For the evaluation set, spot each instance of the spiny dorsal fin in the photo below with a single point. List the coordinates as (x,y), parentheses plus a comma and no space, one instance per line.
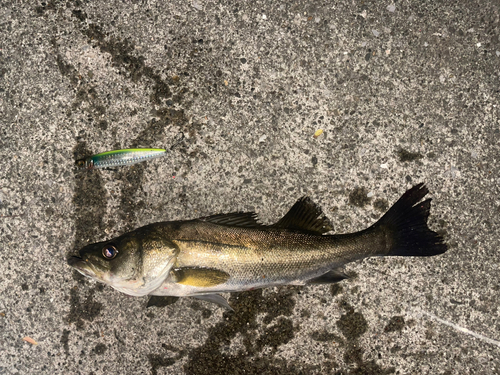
(305,216)
(236,219)
(200,277)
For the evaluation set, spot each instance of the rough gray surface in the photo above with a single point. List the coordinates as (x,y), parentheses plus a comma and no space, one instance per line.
(404,92)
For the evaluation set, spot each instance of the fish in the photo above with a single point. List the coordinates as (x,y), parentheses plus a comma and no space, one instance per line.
(117,158)
(234,252)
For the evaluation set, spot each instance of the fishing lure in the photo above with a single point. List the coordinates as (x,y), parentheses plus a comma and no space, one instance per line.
(118,158)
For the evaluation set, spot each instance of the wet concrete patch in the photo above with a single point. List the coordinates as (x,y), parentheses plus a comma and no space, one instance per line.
(277,334)
(100,349)
(358,197)
(90,201)
(160,301)
(353,325)
(64,340)
(381,205)
(120,51)
(157,361)
(211,357)
(130,204)
(405,156)
(205,313)
(86,310)
(336,289)
(325,336)
(86,96)
(396,323)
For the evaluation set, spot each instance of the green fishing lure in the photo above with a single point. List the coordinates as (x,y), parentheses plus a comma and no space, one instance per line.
(118,158)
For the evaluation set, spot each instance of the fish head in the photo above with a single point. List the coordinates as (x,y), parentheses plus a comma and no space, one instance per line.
(135,263)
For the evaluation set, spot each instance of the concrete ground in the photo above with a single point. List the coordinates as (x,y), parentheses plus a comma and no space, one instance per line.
(404,92)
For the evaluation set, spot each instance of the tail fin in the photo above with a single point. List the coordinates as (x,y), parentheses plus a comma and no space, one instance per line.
(406,220)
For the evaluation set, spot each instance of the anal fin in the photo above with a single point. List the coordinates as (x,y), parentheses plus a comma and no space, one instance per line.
(332,276)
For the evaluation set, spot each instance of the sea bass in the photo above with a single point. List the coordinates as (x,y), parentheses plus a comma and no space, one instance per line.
(234,252)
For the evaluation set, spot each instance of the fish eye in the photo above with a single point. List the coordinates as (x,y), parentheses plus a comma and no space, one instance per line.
(109,252)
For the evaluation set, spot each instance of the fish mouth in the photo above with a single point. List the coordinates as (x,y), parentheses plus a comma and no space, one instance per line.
(85,268)
(74,260)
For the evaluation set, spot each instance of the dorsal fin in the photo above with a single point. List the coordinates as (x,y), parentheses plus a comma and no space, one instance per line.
(305,216)
(237,219)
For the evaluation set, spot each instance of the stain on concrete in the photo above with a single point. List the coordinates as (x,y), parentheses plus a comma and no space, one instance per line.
(325,336)
(121,52)
(381,205)
(124,58)
(280,303)
(89,196)
(205,313)
(160,301)
(83,310)
(85,93)
(100,349)
(210,357)
(65,340)
(277,334)
(41,9)
(130,204)
(67,70)
(156,361)
(79,278)
(90,201)
(336,289)
(358,197)
(353,325)
(396,323)
(405,156)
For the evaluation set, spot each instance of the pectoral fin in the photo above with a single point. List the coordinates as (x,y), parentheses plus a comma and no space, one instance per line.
(200,277)
(214,298)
